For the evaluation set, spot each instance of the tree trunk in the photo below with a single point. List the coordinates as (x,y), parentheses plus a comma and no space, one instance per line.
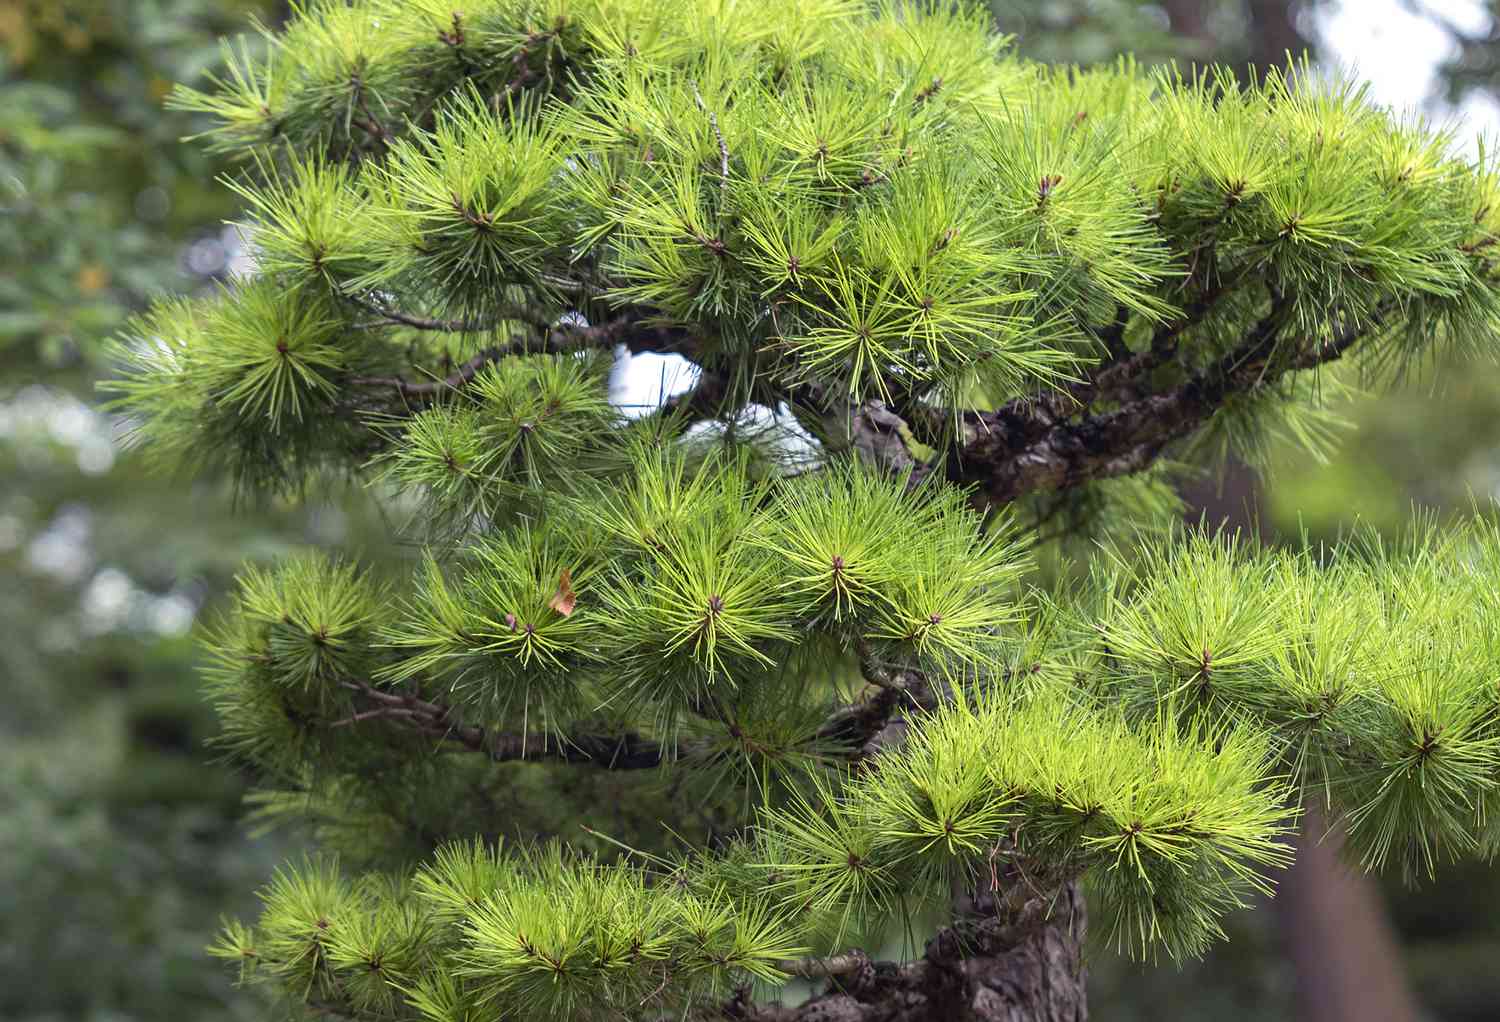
(1189,18)
(1348,965)
(1274,34)
(1025,969)
(1271,33)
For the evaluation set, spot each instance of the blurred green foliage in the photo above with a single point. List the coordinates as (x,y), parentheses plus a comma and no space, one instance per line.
(1432,442)
(118,844)
(98,191)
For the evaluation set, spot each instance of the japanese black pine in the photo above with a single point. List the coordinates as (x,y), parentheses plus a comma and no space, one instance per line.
(765,682)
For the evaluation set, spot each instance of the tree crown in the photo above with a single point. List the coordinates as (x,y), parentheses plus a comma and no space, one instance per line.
(942,302)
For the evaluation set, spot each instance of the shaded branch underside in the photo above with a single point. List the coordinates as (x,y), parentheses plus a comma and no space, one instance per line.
(1034,446)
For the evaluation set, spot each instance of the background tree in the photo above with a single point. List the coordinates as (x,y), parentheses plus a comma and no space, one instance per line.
(804,377)
(118,841)
(1238,33)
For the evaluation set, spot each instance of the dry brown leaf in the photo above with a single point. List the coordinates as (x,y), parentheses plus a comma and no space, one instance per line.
(564,600)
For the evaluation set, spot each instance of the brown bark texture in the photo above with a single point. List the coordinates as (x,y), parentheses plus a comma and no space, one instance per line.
(1022,966)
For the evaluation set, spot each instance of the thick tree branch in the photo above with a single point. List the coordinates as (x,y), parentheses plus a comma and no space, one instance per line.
(880,433)
(1125,372)
(845,964)
(1054,443)
(878,720)
(1022,449)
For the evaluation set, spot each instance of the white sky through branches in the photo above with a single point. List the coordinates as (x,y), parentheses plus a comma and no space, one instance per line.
(1389,45)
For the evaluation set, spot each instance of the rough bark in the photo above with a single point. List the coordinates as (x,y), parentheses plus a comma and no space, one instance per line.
(1034,446)
(1020,966)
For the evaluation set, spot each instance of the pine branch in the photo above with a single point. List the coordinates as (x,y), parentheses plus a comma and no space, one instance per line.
(367,121)
(1021,449)
(875,672)
(873,429)
(861,728)
(626,751)
(877,721)
(1126,370)
(847,963)
(878,432)
(1126,374)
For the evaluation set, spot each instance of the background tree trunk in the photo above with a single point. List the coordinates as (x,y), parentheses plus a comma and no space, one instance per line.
(1274,33)
(1334,924)
(1271,32)
(1189,19)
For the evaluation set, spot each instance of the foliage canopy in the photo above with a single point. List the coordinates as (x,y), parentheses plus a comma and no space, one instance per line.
(945,305)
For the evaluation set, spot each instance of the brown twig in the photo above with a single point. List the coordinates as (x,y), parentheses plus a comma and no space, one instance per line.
(371,124)
(556,342)
(828,967)
(851,727)
(624,751)
(397,317)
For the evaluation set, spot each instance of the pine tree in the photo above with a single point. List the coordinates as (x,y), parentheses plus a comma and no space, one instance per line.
(682,704)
